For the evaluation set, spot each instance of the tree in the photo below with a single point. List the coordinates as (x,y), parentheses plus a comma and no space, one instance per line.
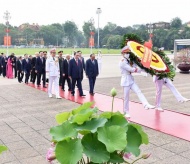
(70,29)
(114,41)
(176,23)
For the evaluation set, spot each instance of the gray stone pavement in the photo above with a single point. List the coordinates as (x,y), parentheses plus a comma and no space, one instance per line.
(26,115)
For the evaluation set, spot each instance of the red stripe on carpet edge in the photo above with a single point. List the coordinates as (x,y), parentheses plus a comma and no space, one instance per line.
(169,122)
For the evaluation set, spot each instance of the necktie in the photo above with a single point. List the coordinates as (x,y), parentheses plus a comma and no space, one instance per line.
(53,58)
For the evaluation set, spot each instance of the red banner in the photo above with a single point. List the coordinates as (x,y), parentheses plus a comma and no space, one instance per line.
(147,57)
(7,40)
(91,42)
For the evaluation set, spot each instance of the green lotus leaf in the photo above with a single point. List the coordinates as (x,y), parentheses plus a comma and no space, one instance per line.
(114,137)
(62,117)
(109,114)
(83,116)
(3,148)
(69,151)
(86,105)
(118,120)
(62,132)
(134,140)
(92,125)
(144,136)
(94,149)
(116,158)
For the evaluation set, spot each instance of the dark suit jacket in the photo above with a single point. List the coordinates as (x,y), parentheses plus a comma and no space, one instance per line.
(40,67)
(4,61)
(60,63)
(14,60)
(26,67)
(75,71)
(83,64)
(92,69)
(65,67)
(19,65)
(33,62)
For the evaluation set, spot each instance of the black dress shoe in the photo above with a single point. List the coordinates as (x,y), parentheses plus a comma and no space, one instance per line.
(38,85)
(82,95)
(92,94)
(44,87)
(72,94)
(69,90)
(63,89)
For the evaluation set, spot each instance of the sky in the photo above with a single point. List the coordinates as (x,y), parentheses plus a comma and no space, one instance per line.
(121,12)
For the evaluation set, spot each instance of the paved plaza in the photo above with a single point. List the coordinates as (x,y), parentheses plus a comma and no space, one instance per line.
(26,115)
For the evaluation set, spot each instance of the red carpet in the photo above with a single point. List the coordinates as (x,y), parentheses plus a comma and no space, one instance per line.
(169,122)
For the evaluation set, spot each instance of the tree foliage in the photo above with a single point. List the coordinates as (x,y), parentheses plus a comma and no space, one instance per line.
(69,35)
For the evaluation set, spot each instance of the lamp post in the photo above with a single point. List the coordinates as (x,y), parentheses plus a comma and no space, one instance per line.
(98,11)
(7,17)
(91,21)
(150,30)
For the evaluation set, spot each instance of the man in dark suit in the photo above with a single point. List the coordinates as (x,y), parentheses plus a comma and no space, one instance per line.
(65,71)
(75,72)
(83,63)
(60,65)
(19,69)
(92,72)
(14,64)
(1,68)
(26,67)
(33,63)
(40,69)
(4,64)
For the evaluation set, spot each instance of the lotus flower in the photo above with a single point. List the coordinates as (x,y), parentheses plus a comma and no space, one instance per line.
(50,156)
(113,92)
(145,156)
(127,155)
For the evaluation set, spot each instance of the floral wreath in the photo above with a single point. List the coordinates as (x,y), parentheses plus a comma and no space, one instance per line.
(168,73)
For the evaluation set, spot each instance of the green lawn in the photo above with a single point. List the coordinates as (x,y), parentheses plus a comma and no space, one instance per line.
(85,51)
(31,51)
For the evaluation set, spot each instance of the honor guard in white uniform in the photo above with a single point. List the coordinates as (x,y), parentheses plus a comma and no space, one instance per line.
(52,67)
(128,83)
(168,83)
(99,59)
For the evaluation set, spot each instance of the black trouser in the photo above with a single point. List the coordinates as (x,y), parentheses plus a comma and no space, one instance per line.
(20,76)
(33,75)
(43,75)
(68,82)
(15,71)
(1,69)
(4,71)
(78,80)
(92,81)
(60,79)
(27,74)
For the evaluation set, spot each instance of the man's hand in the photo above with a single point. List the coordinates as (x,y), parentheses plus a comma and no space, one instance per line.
(63,74)
(36,71)
(69,77)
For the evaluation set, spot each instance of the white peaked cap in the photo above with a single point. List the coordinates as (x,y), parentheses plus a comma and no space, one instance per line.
(124,48)
(53,49)
(161,49)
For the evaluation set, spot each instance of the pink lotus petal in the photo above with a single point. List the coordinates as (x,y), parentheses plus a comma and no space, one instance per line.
(50,156)
(127,155)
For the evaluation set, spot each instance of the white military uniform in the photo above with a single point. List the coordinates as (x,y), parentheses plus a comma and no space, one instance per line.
(168,83)
(127,82)
(99,59)
(52,66)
